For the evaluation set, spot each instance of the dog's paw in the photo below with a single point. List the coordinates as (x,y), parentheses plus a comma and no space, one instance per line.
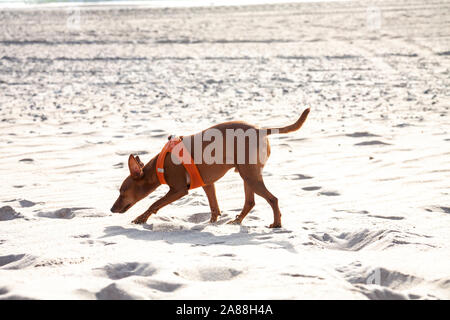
(214,216)
(235,221)
(140,220)
(275,225)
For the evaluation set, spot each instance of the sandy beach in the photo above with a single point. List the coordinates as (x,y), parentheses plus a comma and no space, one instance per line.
(363,187)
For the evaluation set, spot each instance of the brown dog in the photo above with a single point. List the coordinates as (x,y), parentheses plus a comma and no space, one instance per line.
(143,178)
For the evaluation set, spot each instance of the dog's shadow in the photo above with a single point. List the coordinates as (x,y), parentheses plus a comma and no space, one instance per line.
(197,237)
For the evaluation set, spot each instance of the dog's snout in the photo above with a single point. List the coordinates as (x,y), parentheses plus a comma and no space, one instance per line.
(117,205)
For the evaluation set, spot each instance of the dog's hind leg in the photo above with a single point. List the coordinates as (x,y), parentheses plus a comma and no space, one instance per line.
(210,191)
(248,206)
(260,189)
(253,177)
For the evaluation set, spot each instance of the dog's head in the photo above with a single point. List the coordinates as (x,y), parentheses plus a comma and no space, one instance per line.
(136,186)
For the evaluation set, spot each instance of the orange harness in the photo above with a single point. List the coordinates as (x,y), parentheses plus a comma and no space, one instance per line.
(184,157)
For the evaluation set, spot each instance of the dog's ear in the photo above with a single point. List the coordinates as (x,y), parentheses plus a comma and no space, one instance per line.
(135,169)
(141,164)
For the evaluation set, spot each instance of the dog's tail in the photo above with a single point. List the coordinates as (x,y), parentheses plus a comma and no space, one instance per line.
(293,127)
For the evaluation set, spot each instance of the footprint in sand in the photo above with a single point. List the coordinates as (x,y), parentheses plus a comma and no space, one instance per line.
(218,273)
(97,242)
(329,193)
(8,213)
(352,211)
(264,238)
(312,188)
(84,236)
(438,209)
(3,291)
(26,203)
(69,213)
(113,292)
(199,217)
(361,134)
(127,269)
(371,143)
(4,260)
(118,165)
(368,280)
(64,213)
(298,176)
(298,275)
(387,217)
(163,286)
(358,240)
(446,209)
(384,294)
(26,160)
(402,125)
(230,255)
(16,261)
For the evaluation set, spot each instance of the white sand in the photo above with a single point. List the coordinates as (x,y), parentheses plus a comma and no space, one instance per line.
(363,186)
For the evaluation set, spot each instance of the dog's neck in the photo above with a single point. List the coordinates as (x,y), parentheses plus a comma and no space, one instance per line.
(150,170)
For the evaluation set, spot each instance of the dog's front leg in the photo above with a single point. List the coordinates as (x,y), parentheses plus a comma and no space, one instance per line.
(171,196)
(210,191)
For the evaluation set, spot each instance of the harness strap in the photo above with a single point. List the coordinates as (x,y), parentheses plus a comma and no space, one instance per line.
(184,157)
